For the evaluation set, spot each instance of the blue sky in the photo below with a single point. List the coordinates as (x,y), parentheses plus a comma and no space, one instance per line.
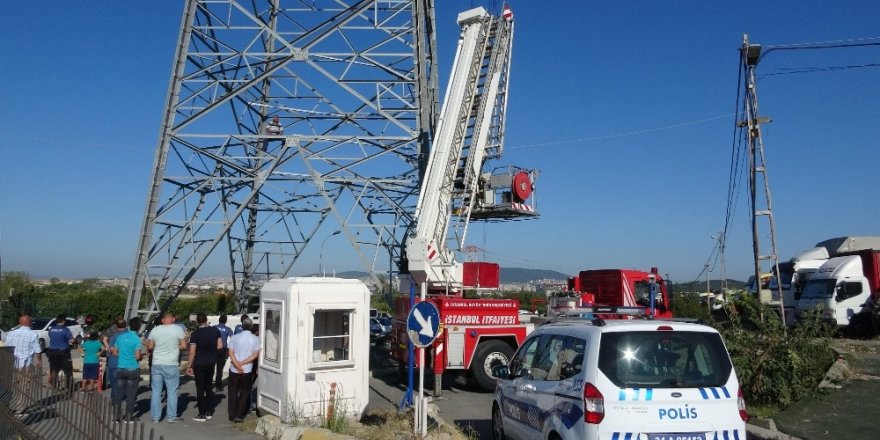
(624,106)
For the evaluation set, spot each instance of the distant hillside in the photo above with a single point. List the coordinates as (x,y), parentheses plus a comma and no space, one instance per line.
(522,275)
(350,274)
(700,286)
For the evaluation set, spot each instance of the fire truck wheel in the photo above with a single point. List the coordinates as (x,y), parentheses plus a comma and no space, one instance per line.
(488,355)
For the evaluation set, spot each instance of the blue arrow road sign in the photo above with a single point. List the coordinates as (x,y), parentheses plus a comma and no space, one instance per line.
(423,324)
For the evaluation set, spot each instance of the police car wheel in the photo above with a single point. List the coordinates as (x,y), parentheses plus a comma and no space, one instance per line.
(489,354)
(42,344)
(497,424)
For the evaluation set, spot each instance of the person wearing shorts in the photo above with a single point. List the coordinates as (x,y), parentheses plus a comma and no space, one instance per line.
(92,349)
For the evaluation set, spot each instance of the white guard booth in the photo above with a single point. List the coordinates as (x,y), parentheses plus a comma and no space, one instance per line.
(315,342)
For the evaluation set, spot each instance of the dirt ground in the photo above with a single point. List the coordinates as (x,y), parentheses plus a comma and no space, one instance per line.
(848,412)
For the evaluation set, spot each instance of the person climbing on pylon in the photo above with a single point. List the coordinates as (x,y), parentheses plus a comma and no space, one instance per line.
(274,127)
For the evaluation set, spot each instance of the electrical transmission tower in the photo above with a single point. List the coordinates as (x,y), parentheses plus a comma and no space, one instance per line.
(282,115)
(761,204)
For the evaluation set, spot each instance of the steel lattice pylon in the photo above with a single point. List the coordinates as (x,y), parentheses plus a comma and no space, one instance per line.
(354,89)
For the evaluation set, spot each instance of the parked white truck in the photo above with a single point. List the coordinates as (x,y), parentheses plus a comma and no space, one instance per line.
(795,273)
(844,287)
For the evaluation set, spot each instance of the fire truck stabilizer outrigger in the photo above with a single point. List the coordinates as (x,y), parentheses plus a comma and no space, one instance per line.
(476,334)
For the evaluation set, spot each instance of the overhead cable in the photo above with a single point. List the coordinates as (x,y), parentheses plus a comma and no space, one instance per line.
(619,135)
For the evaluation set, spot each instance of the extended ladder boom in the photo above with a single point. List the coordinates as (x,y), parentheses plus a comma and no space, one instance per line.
(470,129)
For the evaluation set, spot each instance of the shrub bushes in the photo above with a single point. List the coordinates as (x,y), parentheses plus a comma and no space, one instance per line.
(688,305)
(776,366)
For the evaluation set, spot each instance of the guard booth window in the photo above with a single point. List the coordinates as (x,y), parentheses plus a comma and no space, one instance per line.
(272,330)
(331,336)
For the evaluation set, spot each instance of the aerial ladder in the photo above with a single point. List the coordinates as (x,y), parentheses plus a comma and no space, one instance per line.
(470,131)
(455,189)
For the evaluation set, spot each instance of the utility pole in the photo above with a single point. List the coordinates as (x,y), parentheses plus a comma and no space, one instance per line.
(721,243)
(708,290)
(750,54)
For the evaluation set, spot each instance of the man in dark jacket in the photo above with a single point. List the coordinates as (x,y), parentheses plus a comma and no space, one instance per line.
(222,354)
(204,343)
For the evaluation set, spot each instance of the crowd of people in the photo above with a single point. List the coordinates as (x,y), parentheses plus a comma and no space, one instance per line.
(124,347)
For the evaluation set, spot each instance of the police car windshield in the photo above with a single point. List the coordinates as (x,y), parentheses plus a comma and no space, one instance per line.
(655,359)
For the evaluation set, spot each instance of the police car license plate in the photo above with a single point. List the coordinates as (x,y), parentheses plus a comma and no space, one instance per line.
(678,436)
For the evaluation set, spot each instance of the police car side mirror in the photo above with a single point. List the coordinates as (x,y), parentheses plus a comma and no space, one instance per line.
(501,371)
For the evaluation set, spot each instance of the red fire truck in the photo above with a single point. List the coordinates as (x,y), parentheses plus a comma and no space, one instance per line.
(615,287)
(476,334)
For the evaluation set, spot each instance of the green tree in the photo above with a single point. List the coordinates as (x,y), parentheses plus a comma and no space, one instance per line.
(688,305)
(17,295)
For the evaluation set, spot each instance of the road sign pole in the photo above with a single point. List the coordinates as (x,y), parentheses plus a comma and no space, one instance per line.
(423,328)
(410,353)
(422,413)
(420,416)
(424,401)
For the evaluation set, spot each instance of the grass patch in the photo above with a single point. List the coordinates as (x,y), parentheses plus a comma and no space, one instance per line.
(762,411)
(248,425)
(391,425)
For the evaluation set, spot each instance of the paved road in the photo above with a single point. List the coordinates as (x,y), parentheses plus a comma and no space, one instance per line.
(459,403)
(217,428)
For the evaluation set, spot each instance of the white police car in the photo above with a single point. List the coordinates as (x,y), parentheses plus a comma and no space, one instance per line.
(619,380)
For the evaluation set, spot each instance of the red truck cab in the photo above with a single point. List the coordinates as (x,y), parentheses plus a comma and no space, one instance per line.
(620,287)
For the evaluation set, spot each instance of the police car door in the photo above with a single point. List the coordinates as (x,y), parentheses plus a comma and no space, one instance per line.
(514,403)
(567,414)
(537,390)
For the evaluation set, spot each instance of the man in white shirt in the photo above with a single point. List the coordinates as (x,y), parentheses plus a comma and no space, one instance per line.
(244,348)
(27,355)
(165,341)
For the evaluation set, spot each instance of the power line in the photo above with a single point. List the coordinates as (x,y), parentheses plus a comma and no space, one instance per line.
(619,135)
(828,44)
(794,71)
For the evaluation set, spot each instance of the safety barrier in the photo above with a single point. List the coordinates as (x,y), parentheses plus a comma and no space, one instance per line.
(31,409)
